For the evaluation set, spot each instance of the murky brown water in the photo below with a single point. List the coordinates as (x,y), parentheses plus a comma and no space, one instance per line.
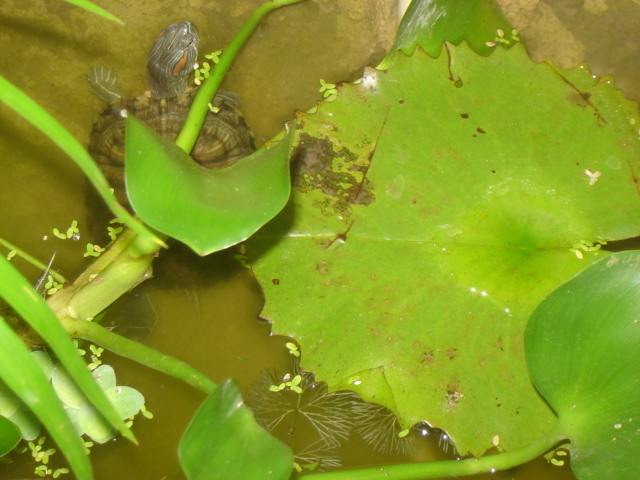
(205,312)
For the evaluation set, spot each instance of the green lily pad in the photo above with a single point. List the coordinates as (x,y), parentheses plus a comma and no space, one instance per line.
(435,204)
(224,441)
(206,209)
(583,351)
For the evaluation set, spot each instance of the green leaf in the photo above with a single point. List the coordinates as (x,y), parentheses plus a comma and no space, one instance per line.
(93,424)
(430,23)
(66,389)
(208,210)
(43,121)
(9,403)
(9,436)
(106,377)
(583,352)
(224,441)
(90,7)
(128,401)
(435,205)
(30,426)
(30,384)
(33,309)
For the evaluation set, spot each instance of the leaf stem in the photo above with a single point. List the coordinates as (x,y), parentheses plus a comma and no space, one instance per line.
(193,124)
(451,468)
(138,352)
(31,260)
(122,266)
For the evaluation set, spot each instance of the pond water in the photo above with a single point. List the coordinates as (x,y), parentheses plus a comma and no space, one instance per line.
(205,311)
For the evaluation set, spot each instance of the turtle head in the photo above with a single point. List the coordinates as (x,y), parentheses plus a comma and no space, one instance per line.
(171,60)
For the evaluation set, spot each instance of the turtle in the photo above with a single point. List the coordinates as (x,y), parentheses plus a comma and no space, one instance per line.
(225,136)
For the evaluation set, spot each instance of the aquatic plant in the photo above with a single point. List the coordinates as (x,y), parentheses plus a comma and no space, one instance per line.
(506,251)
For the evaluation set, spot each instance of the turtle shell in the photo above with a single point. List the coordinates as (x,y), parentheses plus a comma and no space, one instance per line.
(224,138)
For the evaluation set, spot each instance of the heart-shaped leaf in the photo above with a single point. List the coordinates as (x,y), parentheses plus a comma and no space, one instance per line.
(224,441)
(583,352)
(207,209)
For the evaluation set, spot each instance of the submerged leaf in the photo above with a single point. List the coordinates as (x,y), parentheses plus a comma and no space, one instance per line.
(583,352)
(435,205)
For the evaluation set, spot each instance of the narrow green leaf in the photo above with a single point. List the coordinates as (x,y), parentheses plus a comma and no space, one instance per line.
(583,351)
(41,119)
(95,9)
(207,209)
(25,300)
(9,436)
(24,376)
(224,441)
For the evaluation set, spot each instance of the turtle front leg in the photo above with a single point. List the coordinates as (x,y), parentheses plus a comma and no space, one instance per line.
(102,81)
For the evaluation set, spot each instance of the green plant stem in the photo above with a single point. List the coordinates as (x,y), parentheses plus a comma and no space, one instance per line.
(124,265)
(193,124)
(138,352)
(451,468)
(32,260)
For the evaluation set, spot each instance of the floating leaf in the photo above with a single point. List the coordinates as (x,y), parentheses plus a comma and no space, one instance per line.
(128,401)
(207,209)
(435,204)
(224,441)
(106,378)
(583,352)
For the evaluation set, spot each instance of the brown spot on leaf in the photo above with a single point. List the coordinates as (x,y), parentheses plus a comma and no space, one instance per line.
(427,357)
(339,174)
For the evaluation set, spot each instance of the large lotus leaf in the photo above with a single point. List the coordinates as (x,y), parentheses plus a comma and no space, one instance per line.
(435,205)
(207,209)
(583,351)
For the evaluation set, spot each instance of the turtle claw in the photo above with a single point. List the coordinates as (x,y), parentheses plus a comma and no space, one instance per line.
(102,81)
